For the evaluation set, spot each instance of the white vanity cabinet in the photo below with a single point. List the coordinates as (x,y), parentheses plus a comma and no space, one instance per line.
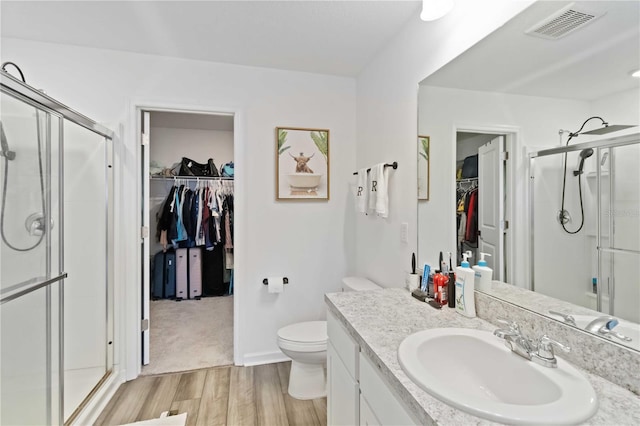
(356,391)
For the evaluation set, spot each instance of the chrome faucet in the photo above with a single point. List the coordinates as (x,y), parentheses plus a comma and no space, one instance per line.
(565,317)
(604,326)
(540,351)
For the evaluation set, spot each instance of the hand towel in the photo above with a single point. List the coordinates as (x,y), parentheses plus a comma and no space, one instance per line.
(372,186)
(382,193)
(362,191)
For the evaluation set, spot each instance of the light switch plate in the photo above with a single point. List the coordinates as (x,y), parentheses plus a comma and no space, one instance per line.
(404,232)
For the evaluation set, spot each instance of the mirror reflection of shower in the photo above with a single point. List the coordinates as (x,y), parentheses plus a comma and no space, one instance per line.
(35,223)
(564,216)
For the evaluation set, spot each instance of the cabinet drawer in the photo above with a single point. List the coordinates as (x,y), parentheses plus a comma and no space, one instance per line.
(386,407)
(344,345)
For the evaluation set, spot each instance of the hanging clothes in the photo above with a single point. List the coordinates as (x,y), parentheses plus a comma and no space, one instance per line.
(472,218)
(201,217)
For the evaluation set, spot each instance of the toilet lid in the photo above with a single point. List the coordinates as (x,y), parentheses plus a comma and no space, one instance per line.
(305,332)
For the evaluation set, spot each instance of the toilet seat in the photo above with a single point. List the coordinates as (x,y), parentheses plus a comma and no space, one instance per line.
(310,336)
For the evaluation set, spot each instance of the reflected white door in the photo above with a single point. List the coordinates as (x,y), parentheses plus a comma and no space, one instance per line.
(145,279)
(491,204)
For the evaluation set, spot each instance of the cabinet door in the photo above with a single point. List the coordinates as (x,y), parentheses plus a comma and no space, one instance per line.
(384,405)
(342,392)
(367,417)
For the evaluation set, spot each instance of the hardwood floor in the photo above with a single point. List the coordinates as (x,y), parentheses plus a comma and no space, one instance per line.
(234,396)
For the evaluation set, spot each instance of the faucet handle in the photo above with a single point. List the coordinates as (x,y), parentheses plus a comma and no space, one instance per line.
(545,347)
(565,317)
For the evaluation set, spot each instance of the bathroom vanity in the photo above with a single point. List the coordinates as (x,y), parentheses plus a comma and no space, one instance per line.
(366,384)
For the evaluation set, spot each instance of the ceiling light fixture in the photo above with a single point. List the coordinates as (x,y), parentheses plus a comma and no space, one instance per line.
(435,9)
(635,74)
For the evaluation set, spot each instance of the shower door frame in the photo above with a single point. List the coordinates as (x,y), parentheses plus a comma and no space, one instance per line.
(598,146)
(18,89)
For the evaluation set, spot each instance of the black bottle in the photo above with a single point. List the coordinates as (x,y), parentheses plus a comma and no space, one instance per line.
(451,289)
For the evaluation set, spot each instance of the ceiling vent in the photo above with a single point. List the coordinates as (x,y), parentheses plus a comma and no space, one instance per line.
(562,23)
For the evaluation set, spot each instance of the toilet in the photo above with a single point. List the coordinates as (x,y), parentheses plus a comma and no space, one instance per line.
(306,344)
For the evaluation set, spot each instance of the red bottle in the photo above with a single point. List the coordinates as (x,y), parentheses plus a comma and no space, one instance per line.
(443,297)
(436,286)
(440,282)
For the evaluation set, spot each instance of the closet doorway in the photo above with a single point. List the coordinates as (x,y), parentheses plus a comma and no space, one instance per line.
(187,267)
(482,194)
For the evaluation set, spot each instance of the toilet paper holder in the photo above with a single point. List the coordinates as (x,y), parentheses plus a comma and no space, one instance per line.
(285,280)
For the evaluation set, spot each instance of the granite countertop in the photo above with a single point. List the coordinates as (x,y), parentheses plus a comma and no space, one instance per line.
(379,320)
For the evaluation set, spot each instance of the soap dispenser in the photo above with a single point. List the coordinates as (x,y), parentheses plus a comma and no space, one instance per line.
(465,291)
(483,273)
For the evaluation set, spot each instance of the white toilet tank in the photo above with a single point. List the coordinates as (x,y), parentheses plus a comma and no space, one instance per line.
(358,284)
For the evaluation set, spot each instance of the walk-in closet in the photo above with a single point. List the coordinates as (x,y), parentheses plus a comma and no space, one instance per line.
(480,197)
(187,272)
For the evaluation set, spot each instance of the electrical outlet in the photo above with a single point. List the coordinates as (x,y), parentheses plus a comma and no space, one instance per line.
(404,232)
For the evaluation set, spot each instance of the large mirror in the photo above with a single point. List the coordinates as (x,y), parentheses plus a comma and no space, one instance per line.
(523,169)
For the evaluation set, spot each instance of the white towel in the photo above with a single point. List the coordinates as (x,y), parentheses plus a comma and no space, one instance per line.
(381,206)
(362,191)
(372,186)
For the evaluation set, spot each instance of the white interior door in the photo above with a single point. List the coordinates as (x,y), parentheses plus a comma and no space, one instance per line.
(491,204)
(145,279)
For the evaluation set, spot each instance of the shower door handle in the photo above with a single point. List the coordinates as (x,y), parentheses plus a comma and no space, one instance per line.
(26,287)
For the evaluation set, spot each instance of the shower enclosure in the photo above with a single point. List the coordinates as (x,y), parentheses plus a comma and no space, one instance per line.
(593,258)
(56,289)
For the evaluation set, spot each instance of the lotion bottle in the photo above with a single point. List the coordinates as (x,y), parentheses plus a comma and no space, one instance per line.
(465,291)
(484,274)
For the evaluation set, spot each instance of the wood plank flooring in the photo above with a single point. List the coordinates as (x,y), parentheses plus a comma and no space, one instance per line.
(234,396)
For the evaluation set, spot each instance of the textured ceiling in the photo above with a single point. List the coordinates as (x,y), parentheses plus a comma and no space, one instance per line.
(328,37)
(590,63)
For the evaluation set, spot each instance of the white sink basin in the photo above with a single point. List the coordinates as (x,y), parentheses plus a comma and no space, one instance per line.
(473,371)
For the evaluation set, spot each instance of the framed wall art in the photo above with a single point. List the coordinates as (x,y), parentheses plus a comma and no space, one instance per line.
(423,167)
(302,164)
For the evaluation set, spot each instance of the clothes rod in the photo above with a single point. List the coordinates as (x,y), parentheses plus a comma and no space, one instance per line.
(467,180)
(394,165)
(191,178)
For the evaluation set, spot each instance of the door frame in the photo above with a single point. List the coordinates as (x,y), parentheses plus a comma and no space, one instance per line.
(132,347)
(513,145)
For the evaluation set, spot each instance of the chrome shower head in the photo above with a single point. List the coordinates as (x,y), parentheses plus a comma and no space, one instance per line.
(584,154)
(607,129)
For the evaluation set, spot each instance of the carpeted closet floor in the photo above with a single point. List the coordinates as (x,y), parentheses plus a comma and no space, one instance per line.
(190,334)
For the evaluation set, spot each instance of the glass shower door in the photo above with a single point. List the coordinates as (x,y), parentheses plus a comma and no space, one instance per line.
(88,332)
(619,266)
(30,275)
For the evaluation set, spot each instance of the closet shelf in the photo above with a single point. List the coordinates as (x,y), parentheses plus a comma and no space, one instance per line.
(475,179)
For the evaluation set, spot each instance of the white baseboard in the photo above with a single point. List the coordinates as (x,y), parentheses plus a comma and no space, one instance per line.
(260,358)
(92,410)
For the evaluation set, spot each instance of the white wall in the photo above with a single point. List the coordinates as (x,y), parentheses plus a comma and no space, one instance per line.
(307,241)
(169,145)
(387,125)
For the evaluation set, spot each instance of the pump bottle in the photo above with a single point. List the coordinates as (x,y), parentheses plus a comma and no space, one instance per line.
(465,291)
(483,273)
